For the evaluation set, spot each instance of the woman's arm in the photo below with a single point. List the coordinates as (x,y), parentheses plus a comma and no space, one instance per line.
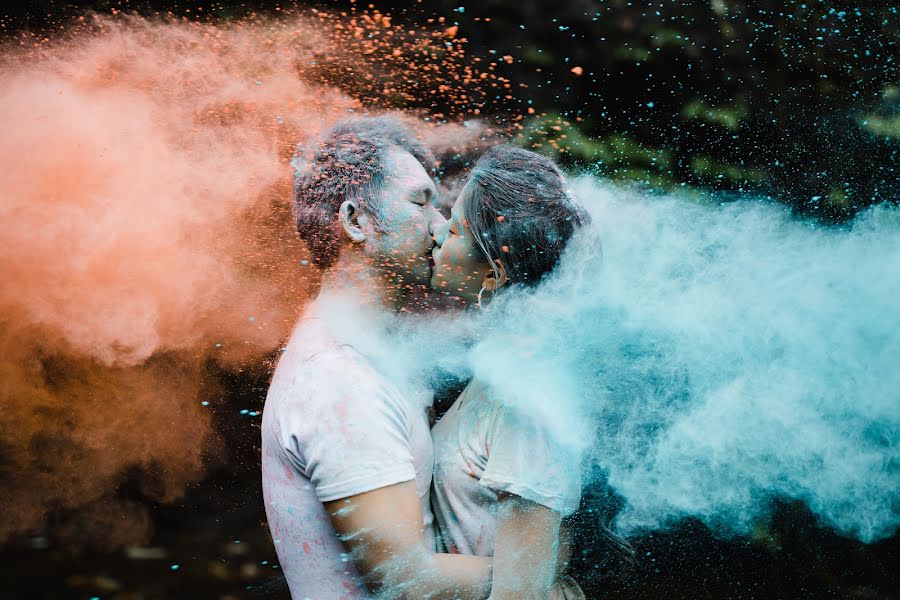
(525,554)
(384,533)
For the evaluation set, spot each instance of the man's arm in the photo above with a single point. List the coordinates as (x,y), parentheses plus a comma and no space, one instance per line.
(525,554)
(384,532)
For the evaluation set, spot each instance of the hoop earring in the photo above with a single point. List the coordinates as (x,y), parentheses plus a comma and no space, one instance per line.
(480,292)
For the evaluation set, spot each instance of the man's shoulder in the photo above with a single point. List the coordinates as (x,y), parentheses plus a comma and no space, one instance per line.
(314,371)
(331,396)
(312,346)
(311,368)
(321,371)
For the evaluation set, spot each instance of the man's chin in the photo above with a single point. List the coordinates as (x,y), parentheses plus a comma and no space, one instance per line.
(419,281)
(435,287)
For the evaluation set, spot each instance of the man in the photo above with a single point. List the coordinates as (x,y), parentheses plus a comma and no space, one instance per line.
(346,450)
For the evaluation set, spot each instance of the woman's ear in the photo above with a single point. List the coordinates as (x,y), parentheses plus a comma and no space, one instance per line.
(352,221)
(491,282)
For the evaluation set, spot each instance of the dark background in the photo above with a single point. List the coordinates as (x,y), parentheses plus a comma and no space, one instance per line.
(798,101)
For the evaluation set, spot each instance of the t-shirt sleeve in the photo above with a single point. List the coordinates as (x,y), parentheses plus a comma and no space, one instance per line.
(525,459)
(348,428)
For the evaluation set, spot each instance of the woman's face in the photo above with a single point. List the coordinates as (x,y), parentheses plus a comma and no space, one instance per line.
(459,265)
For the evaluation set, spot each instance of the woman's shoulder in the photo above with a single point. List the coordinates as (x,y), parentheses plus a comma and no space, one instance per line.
(480,394)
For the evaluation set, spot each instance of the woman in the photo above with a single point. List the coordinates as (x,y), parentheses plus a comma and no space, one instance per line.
(502,483)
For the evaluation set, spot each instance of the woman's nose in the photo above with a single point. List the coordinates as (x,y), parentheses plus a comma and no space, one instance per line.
(438,226)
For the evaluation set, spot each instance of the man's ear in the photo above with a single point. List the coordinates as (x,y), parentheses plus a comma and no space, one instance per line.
(353,221)
(491,283)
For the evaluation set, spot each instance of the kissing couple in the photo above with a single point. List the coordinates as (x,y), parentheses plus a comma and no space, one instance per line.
(363,497)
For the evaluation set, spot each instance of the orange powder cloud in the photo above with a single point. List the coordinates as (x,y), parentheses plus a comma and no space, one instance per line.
(144,230)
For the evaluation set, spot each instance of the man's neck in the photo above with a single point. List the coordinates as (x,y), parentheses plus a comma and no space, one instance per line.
(353,276)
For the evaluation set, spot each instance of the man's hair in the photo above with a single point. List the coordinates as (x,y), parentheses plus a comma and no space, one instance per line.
(346,164)
(520,211)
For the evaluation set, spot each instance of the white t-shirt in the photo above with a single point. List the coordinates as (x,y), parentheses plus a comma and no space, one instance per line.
(483,447)
(334,427)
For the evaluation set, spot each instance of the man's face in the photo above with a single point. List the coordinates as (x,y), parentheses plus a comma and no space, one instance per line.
(403,246)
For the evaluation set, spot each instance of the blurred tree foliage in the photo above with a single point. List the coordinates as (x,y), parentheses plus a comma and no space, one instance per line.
(799,100)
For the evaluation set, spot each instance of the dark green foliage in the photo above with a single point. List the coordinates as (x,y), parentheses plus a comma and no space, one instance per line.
(798,100)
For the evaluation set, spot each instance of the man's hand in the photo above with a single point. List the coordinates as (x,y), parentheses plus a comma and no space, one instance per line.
(525,556)
(566,588)
(564,555)
(383,530)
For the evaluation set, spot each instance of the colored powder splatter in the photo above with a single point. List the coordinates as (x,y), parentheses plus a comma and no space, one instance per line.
(146,230)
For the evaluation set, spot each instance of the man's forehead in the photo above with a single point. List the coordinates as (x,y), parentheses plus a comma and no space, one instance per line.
(400,163)
(402,158)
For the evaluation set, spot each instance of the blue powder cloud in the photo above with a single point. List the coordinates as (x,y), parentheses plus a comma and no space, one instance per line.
(726,355)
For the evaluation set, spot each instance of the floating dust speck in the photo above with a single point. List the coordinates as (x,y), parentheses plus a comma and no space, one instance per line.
(218,569)
(145,552)
(236,549)
(100,583)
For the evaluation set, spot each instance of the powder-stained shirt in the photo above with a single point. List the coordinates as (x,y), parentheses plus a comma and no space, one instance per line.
(483,448)
(334,427)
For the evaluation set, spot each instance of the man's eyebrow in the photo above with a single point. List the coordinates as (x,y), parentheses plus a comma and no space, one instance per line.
(424,187)
(418,188)
(421,187)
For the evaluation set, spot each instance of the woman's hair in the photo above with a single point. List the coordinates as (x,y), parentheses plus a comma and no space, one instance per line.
(520,211)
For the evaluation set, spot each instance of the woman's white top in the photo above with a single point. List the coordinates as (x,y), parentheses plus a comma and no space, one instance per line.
(484,448)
